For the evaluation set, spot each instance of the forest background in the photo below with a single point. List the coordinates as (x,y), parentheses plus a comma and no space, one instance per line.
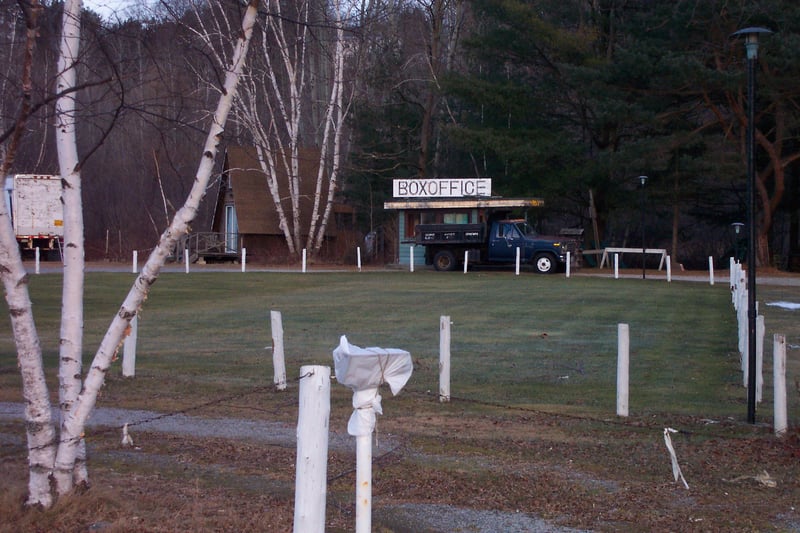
(554,99)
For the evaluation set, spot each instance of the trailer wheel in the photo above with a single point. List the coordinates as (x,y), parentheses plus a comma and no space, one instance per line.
(545,263)
(444,260)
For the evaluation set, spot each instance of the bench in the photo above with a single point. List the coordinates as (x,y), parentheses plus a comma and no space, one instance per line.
(660,251)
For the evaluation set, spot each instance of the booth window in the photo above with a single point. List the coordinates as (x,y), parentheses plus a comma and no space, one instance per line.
(456,218)
(412,219)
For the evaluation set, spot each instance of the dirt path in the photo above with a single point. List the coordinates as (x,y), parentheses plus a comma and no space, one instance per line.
(407,517)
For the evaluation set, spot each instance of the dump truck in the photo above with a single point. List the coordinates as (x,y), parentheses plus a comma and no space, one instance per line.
(37,214)
(493,243)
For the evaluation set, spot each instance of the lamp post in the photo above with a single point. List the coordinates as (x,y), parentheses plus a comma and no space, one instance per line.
(751,46)
(643,180)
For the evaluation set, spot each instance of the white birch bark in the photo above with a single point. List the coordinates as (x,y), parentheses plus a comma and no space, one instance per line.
(40,431)
(41,434)
(73,426)
(288,99)
(336,117)
(273,109)
(71,337)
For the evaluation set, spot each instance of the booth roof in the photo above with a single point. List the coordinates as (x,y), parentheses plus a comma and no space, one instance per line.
(463,203)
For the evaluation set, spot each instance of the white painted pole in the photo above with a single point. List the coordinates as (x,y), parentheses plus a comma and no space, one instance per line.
(744,332)
(623,362)
(732,271)
(312,449)
(37,255)
(779,383)
(186,260)
(304,261)
(616,266)
(411,258)
(466,260)
(569,259)
(517,271)
(278,361)
(710,270)
(129,350)
(759,357)
(444,358)
(363,484)
(135,265)
(244,259)
(669,269)
(358,257)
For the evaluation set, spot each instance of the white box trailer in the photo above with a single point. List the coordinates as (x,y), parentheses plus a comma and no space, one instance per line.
(37,213)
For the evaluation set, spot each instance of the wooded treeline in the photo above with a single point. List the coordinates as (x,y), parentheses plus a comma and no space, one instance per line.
(550,98)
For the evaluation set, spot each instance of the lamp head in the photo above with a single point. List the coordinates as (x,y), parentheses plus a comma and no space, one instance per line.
(751,39)
(642,180)
(737,227)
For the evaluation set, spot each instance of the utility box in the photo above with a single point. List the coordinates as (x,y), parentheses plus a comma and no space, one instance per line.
(37,212)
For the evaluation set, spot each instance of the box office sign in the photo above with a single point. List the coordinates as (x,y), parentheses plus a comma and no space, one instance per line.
(441,187)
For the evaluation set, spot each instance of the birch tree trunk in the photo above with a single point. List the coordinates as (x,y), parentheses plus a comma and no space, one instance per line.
(274,109)
(41,434)
(334,120)
(73,425)
(71,338)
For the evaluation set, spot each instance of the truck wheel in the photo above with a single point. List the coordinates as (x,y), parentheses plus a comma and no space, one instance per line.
(444,260)
(545,264)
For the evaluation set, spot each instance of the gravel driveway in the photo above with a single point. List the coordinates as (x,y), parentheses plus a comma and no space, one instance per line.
(405,518)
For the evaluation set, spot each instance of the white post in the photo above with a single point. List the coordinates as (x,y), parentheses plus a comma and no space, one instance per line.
(623,361)
(710,270)
(669,269)
(759,357)
(244,259)
(744,333)
(364,484)
(37,254)
(466,260)
(779,383)
(129,350)
(444,358)
(304,261)
(358,257)
(186,260)
(411,258)
(517,271)
(135,265)
(278,362)
(732,271)
(312,449)
(616,266)
(569,260)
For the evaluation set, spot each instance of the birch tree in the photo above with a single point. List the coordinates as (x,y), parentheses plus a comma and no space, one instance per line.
(49,453)
(40,431)
(71,337)
(295,97)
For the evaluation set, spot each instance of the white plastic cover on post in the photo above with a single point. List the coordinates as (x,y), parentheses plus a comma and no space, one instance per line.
(364,370)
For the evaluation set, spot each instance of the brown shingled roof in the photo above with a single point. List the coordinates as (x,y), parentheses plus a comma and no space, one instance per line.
(254,206)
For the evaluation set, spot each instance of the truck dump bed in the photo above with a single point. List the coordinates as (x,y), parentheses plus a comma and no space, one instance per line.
(450,233)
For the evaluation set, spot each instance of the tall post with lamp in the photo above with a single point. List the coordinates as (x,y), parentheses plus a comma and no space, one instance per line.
(751,46)
(643,180)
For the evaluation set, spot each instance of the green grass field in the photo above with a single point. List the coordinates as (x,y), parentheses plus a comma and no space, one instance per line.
(542,342)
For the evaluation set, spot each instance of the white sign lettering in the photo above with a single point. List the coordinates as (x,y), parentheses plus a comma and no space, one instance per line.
(441,188)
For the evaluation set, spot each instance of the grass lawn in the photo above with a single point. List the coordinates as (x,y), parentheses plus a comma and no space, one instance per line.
(531,427)
(544,342)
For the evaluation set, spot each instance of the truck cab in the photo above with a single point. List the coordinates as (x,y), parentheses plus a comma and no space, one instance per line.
(546,254)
